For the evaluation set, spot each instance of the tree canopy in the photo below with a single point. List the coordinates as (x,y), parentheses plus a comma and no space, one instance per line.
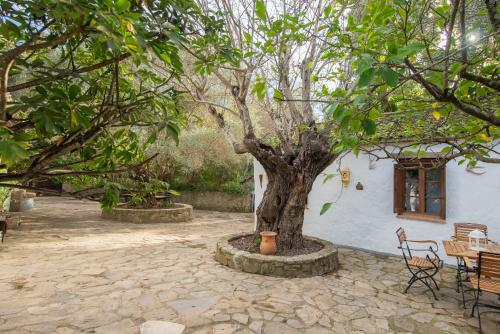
(77,80)
(432,72)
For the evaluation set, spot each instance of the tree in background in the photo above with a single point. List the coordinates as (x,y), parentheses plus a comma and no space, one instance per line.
(202,161)
(76,83)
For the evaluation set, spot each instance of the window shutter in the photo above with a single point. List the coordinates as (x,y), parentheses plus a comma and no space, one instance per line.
(399,181)
(442,198)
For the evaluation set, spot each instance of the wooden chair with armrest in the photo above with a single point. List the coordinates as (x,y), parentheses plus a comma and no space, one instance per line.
(422,268)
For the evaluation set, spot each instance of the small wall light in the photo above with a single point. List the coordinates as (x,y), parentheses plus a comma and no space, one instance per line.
(346,176)
(359,186)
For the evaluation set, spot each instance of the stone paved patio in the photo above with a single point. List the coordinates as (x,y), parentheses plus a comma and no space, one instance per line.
(69,271)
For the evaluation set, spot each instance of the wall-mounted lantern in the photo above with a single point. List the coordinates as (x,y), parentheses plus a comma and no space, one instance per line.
(476,237)
(346,176)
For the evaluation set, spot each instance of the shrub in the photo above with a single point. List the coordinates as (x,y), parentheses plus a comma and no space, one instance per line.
(203,161)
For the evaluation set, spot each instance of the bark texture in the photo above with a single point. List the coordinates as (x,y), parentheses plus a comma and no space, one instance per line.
(290,179)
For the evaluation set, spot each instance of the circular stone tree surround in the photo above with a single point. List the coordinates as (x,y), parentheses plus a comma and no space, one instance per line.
(318,263)
(176,214)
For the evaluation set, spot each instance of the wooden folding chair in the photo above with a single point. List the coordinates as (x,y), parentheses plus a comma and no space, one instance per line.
(462,231)
(422,269)
(486,280)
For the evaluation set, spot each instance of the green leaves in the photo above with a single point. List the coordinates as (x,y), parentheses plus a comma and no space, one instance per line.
(260,10)
(325,208)
(398,54)
(173,131)
(122,5)
(111,196)
(446,149)
(277,95)
(328,10)
(389,76)
(73,92)
(364,63)
(259,89)
(11,152)
(369,126)
(366,77)
(328,177)
(366,70)
(47,121)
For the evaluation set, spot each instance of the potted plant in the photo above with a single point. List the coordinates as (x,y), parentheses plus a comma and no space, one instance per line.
(146,200)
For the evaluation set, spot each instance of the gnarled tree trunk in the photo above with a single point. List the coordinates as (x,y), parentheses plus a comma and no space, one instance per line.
(290,179)
(304,148)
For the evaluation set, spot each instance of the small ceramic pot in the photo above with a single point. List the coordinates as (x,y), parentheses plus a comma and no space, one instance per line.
(268,243)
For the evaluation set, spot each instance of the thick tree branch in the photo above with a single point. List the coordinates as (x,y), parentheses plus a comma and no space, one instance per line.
(65,74)
(491,83)
(284,84)
(221,123)
(449,37)
(443,96)
(17,51)
(4,77)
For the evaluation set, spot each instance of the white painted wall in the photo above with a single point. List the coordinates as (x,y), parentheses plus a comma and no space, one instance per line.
(365,218)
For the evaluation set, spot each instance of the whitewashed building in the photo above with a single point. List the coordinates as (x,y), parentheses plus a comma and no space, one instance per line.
(366,213)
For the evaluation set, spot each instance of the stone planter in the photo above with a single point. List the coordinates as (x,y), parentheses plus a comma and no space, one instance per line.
(21,200)
(314,264)
(176,214)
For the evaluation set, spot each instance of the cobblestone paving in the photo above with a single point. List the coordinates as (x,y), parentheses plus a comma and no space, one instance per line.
(66,270)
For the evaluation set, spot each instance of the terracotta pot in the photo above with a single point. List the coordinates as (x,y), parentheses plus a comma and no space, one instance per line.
(268,243)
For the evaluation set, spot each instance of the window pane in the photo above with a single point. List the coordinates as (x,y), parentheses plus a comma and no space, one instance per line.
(432,174)
(411,190)
(432,205)
(432,191)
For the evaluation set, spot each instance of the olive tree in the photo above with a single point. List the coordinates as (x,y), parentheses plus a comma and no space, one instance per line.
(274,57)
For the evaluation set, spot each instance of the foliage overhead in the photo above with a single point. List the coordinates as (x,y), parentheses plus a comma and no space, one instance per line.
(78,80)
(79,77)
(431,75)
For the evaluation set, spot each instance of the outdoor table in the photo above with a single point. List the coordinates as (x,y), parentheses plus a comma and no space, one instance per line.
(461,249)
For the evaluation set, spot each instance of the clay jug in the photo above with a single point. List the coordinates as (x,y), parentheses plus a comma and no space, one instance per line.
(268,243)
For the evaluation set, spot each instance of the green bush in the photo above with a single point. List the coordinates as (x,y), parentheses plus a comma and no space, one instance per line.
(203,161)
(213,177)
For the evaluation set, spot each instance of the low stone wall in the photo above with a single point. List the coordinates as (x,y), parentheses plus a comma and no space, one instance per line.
(177,214)
(216,201)
(319,263)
